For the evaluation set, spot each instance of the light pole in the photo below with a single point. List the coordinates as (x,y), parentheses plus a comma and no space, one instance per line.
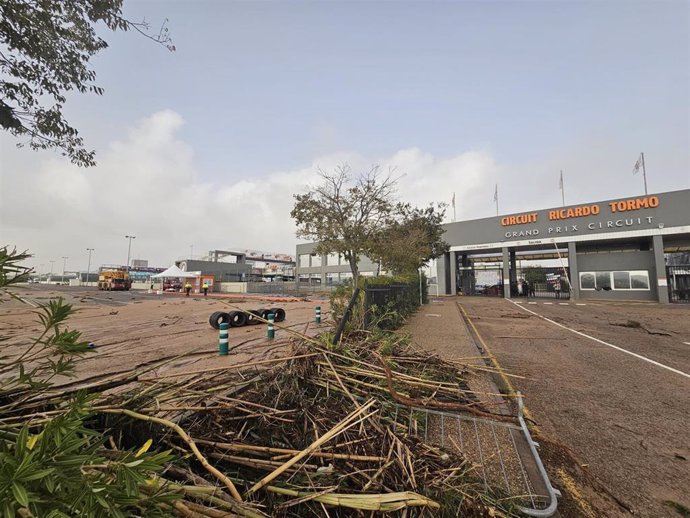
(88,268)
(64,265)
(129,248)
(51,269)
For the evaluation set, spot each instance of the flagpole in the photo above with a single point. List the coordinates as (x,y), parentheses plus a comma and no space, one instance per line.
(496,198)
(644,175)
(453,207)
(562,189)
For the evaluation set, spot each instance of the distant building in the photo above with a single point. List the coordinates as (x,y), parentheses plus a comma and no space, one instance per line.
(139,263)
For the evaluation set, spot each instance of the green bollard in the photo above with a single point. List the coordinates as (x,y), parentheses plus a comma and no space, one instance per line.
(318,315)
(271,333)
(223,339)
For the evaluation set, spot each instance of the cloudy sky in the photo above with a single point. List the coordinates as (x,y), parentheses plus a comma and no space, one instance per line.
(206,146)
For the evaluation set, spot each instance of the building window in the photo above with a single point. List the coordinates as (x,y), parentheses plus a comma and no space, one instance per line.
(304,260)
(616,281)
(621,280)
(603,280)
(333,259)
(639,280)
(315,261)
(587,281)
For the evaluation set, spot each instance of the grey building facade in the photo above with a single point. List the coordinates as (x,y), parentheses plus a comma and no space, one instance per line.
(615,249)
(222,272)
(327,270)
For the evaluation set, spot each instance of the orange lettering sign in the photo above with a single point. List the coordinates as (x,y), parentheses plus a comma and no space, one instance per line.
(576,212)
(634,204)
(520,219)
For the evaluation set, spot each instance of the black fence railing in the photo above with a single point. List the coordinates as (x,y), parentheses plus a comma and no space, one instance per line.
(387,305)
(678,278)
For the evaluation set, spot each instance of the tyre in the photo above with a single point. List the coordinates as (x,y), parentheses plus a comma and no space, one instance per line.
(252,317)
(264,313)
(217,318)
(237,318)
(279,314)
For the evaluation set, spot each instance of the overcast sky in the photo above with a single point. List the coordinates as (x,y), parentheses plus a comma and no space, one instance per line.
(206,146)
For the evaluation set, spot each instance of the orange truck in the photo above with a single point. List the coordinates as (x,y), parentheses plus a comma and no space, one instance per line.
(114,280)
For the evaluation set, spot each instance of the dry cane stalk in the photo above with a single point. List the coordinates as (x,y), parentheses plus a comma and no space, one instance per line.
(337,429)
(186,438)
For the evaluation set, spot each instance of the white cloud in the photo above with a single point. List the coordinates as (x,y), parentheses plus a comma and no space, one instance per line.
(147,184)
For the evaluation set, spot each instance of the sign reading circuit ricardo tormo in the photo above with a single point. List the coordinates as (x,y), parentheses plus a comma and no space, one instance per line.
(640,213)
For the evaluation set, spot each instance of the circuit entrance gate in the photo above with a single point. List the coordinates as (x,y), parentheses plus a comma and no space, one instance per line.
(541,282)
(480,281)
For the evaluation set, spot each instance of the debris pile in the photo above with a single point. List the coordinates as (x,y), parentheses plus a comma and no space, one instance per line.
(321,433)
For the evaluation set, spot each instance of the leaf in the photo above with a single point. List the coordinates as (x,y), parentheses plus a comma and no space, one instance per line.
(134,463)
(20,494)
(144,448)
(36,475)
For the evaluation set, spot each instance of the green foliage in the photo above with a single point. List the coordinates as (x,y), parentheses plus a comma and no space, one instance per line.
(47,46)
(11,272)
(411,240)
(58,467)
(390,309)
(61,470)
(535,275)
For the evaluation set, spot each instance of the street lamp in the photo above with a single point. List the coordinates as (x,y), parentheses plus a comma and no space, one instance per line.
(88,268)
(129,248)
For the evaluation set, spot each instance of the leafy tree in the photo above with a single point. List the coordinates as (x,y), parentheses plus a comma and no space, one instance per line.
(535,275)
(410,240)
(45,48)
(344,215)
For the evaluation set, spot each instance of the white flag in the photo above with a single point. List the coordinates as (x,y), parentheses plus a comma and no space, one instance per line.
(496,193)
(560,182)
(638,164)
(453,202)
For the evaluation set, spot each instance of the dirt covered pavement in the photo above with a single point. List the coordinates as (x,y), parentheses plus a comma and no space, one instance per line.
(615,427)
(134,330)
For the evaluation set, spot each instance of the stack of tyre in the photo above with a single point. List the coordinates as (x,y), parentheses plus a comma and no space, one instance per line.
(245,318)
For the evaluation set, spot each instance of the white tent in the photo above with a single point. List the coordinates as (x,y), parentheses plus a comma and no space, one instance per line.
(173,271)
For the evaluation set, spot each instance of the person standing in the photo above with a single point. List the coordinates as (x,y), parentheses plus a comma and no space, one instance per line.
(205,288)
(557,288)
(188,288)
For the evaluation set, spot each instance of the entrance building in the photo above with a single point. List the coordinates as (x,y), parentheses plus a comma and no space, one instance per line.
(614,249)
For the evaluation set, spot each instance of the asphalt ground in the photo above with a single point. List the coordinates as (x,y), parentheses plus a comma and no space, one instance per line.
(620,410)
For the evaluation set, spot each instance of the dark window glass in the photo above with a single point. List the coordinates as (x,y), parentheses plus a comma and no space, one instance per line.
(587,281)
(639,280)
(621,280)
(603,280)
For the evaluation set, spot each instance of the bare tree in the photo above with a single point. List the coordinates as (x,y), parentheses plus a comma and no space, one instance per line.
(345,214)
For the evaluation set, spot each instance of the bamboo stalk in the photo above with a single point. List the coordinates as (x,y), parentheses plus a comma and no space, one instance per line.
(386,502)
(333,432)
(241,366)
(269,449)
(186,438)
